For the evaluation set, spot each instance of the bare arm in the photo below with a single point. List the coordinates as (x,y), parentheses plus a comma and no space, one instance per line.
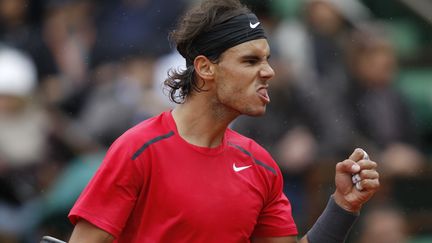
(86,232)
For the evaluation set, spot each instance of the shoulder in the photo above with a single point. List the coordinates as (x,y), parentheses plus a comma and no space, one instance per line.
(245,142)
(250,147)
(143,134)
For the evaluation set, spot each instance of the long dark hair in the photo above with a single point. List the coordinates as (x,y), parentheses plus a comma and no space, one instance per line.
(180,83)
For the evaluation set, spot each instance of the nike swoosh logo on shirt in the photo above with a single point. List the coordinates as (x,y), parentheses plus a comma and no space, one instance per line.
(253,26)
(237,169)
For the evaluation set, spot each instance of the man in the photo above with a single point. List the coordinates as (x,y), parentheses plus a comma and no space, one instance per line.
(184,176)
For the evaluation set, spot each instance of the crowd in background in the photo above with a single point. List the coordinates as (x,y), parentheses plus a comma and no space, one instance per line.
(75,74)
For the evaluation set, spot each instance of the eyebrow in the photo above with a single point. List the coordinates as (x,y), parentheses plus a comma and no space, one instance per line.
(252,56)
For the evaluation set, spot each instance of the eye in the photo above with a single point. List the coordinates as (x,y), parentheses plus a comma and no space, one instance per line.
(251,61)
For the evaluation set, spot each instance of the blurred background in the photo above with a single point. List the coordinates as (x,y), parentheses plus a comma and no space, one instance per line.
(75,74)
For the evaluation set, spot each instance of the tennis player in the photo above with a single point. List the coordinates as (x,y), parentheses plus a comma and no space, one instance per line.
(184,176)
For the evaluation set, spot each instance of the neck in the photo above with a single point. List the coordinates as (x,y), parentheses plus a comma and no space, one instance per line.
(201,122)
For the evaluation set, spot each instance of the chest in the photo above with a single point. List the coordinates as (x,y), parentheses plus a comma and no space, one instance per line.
(206,192)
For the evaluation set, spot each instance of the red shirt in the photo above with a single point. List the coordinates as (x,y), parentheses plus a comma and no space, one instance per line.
(153,186)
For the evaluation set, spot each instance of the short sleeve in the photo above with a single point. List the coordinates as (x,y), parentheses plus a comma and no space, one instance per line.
(275,219)
(111,194)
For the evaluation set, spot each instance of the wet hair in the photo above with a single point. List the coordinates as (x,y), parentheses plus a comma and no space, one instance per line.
(198,20)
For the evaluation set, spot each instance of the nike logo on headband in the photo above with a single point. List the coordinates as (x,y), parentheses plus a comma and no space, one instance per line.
(253,26)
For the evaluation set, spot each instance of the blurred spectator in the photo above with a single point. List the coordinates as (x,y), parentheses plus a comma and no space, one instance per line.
(123,94)
(134,27)
(315,49)
(130,37)
(382,118)
(384,224)
(23,126)
(69,33)
(316,42)
(34,144)
(24,134)
(19,28)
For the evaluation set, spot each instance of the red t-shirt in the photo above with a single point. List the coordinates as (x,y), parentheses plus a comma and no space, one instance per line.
(153,186)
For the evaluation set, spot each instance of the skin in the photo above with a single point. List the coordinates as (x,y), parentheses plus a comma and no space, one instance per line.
(235,85)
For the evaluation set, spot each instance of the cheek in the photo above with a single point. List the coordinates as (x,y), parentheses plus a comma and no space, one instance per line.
(241,98)
(231,93)
(237,91)
(228,86)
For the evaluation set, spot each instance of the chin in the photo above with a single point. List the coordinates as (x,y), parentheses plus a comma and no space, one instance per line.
(255,112)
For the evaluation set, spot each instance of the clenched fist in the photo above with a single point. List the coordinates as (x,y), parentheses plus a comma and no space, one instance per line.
(347,195)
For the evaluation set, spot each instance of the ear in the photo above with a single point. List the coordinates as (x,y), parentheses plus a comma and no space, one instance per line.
(204,68)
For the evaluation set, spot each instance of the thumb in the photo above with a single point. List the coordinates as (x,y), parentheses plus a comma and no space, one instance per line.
(358,154)
(347,166)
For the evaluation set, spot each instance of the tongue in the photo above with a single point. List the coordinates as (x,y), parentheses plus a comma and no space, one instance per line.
(264,94)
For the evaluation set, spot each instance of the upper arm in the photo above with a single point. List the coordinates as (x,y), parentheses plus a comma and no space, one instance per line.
(87,232)
(109,198)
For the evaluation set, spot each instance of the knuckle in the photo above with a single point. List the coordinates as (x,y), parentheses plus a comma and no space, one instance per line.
(364,174)
(368,164)
(376,174)
(372,184)
(342,163)
(369,174)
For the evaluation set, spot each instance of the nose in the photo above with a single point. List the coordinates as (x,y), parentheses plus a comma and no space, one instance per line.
(267,72)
